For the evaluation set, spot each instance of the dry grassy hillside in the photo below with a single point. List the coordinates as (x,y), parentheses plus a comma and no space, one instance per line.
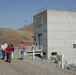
(29,28)
(15,36)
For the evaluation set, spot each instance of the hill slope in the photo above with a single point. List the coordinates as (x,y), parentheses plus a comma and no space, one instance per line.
(15,36)
(29,28)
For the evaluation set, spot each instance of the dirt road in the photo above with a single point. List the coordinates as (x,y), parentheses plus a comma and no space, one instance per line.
(31,67)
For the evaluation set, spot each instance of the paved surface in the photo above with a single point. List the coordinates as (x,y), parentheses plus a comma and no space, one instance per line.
(31,67)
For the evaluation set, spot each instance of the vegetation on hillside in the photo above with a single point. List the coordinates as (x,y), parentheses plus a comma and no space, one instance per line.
(15,36)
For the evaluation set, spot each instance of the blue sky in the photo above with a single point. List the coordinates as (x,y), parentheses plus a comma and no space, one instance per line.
(17,13)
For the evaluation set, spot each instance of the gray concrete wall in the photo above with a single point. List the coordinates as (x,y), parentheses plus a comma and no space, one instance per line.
(61,31)
(41,30)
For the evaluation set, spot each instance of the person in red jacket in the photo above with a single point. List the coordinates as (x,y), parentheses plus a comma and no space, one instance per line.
(8,53)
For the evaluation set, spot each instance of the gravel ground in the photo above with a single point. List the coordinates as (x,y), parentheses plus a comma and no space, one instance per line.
(31,67)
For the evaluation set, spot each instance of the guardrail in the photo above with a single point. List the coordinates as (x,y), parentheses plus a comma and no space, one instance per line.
(36,50)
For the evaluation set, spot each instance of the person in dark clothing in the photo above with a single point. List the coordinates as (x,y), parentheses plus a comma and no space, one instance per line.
(12,51)
(8,53)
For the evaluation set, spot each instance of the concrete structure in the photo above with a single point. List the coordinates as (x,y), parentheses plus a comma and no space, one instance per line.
(55,31)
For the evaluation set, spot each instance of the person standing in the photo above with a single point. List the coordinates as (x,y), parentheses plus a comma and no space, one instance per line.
(12,51)
(8,53)
(3,48)
(6,45)
(22,50)
(33,46)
